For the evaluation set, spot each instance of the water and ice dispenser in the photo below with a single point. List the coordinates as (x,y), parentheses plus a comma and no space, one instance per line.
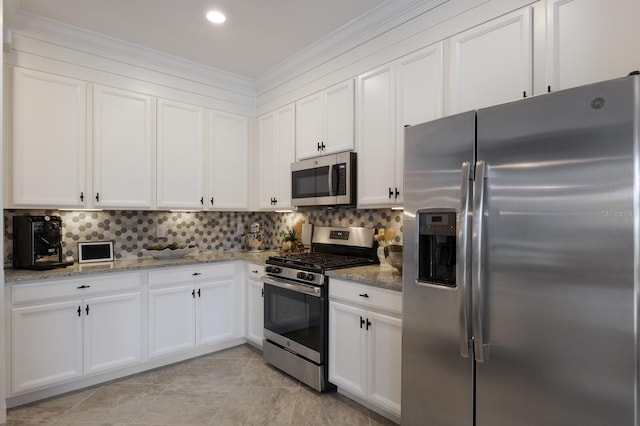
(437,247)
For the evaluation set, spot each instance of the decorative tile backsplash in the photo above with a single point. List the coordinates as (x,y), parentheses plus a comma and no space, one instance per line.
(133,231)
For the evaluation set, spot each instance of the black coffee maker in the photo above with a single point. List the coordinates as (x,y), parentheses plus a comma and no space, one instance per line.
(37,242)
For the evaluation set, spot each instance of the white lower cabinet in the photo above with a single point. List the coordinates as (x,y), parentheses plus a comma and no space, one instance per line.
(194,306)
(365,334)
(255,305)
(67,329)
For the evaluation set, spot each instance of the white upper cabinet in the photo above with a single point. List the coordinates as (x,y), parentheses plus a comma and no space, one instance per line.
(123,149)
(590,41)
(180,155)
(49,138)
(325,122)
(228,159)
(406,92)
(276,132)
(491,63)
(376,137)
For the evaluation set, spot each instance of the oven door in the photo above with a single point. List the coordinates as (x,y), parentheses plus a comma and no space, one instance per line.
(295,317)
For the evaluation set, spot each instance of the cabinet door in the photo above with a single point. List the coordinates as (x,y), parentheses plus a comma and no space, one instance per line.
(255,314)
(228,160)
(171,320)
(268,162)
(122,152)
(420,90)
(113,332)
(46,344)
(308,125)
(286,139)
(347,346)
(376,137)
(217,315)
(491,63)
(180,155)
(591,40)
(385,354)
(49,122)
(339,118)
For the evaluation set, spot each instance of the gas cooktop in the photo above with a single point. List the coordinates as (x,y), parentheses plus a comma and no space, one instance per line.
(318,261)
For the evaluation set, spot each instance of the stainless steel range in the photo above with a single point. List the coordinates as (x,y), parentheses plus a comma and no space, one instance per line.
(296,300)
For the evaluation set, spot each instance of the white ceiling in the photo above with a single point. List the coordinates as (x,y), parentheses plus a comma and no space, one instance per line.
(257,36)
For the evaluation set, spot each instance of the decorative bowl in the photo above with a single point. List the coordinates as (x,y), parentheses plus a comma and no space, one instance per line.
(393,256)
(168,253)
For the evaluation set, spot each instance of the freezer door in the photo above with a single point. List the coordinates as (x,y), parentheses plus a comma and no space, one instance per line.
(557,291)
(437,381)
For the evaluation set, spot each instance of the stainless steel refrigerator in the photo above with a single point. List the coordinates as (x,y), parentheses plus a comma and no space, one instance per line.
(521,248)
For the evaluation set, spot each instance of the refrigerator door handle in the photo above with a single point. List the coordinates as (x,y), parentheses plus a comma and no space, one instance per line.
(463,266)
(481,347)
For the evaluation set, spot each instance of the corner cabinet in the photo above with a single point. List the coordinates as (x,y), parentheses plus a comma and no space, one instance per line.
(194,306)
(180,156)
(228,161)
(49,139)
(325,122)
(365,343)
(122,149)
(276,133)
(84,326)
(405,92)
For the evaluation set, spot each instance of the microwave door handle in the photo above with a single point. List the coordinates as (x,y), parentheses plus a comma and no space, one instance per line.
(333,179)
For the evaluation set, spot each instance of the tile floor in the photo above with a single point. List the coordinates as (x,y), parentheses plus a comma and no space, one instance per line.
(232,387)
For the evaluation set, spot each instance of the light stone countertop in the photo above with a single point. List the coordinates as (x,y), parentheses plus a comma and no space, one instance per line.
(376,275)
(383,276)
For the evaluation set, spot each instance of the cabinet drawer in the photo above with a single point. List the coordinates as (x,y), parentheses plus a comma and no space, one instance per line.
(76,287)
(193,273)
(255,271)
(367,296)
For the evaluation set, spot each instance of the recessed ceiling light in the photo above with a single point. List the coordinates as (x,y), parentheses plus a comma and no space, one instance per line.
(216,17)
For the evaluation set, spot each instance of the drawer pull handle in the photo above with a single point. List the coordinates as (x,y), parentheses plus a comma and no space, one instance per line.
(254,272)
(195,274)
(84,286)
(363,295)
(79,311)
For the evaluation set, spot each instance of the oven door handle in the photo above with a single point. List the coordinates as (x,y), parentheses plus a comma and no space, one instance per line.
(297,287)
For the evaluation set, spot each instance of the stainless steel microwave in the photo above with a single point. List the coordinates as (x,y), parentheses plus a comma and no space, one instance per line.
(329,180)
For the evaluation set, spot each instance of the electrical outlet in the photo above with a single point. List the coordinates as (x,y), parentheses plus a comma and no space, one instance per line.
(240,229)
(161,231)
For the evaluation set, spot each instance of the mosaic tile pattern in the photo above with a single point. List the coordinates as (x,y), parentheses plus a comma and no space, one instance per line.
(133,231)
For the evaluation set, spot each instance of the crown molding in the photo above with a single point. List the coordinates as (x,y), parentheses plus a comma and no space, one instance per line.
(363,28)
(76,38)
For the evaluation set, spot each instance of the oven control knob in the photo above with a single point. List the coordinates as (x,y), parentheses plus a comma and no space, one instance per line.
(301,276)
(268,269)
(276,270)
(309,277)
